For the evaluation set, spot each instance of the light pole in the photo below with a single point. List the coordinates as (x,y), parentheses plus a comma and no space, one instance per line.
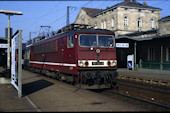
(9,13)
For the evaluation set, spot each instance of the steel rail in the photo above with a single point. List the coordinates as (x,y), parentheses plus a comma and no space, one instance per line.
(145,87)
(140,99)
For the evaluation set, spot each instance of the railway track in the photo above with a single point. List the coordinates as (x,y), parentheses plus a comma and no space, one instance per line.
(152,97)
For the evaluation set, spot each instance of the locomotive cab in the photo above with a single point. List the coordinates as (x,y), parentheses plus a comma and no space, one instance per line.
(96,57)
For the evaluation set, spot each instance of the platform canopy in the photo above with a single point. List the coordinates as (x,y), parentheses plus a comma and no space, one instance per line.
(7,12)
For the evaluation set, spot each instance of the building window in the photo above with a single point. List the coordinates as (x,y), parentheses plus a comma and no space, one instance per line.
(139,22)
(70,41)
(112,22)
(126,21)
(105,24)
(95,26)
(102,25)
(152,23)
(152,54)
(83,21)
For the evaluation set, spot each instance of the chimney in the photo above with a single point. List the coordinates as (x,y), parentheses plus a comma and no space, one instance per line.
(145,3)
(134,1)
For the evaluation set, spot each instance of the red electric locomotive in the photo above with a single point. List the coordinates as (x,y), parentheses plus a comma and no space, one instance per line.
(79,55)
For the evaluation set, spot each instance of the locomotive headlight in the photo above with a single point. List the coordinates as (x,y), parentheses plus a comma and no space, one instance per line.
(80,63)
(114,63)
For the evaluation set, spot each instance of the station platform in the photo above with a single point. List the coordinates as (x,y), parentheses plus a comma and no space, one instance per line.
(149,76)
(44,94)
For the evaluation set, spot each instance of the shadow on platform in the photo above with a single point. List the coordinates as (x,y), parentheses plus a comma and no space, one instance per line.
(5,73)
(35,86)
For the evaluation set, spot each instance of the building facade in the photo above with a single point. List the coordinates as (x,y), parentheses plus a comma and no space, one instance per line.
(123,18)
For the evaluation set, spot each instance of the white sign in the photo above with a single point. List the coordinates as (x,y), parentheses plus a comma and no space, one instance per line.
(122,45)
(3,45)
(14,71)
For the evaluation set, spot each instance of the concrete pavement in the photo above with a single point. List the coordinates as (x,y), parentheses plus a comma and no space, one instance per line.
(52,95)
(41,93)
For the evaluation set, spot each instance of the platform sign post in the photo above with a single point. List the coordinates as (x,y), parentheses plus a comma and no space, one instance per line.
(16,67)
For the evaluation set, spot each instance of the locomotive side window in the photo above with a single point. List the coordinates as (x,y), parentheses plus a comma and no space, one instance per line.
(70,41)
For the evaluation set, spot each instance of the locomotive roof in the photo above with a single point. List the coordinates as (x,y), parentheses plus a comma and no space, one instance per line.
(83,30)
(95,31)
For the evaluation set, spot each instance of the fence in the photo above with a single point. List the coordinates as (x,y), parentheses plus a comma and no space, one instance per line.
(155,65)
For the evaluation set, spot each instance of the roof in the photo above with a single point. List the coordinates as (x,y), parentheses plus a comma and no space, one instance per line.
(91,11)
(167,36)
(94,12)
(138,33)
(135,39)
(167,18)
(3,40)
(134,5)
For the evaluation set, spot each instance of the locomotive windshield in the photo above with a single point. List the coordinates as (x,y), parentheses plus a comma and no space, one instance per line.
(105,41)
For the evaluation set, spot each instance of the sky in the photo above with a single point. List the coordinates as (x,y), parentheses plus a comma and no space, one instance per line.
(54,13)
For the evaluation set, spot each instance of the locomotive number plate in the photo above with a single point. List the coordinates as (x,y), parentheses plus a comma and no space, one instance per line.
(97,63)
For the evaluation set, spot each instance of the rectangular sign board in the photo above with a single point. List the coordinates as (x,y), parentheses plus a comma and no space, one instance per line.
(122,45)
(3,45)
(16,66)
(14,69)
